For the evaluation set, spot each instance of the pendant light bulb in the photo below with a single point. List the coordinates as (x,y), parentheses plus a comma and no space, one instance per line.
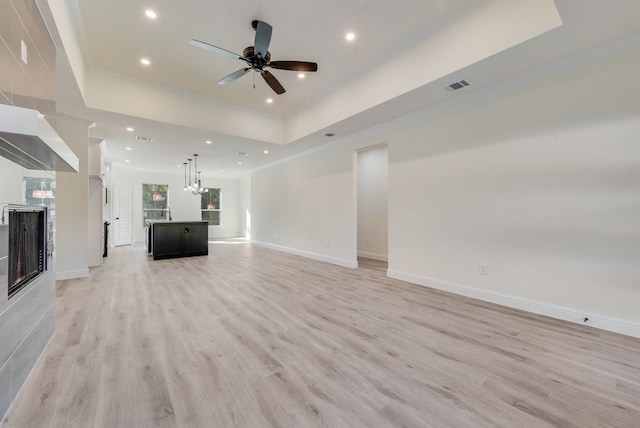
(185,176)
(196,184)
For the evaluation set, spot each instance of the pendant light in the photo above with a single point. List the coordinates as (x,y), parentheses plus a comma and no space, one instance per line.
(185,176)
(195,187)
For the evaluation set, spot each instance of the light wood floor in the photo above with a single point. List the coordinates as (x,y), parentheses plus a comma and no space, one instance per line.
(371,264)
(251,337)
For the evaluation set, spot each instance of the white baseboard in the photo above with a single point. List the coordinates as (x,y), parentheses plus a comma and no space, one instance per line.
(72,274)
(315,256)
(373,256)
(577,316)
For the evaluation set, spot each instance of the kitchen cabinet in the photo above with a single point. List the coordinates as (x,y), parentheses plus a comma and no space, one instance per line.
(170,239)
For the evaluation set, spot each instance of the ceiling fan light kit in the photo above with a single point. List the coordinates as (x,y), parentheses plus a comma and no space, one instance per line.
(258,57)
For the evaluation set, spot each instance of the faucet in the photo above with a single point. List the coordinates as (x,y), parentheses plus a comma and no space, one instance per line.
(168,214)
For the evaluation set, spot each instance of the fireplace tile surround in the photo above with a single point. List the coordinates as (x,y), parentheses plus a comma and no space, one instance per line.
(27,320)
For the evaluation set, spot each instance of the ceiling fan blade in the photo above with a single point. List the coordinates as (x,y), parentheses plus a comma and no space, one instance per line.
(294,65)
(273,82)
(263,39)
(217,50)
(233,76)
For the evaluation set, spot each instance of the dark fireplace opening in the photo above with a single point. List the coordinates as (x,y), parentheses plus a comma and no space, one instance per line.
(27,245)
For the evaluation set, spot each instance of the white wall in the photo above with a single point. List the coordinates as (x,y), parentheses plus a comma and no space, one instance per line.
(245,207)
(184,205)
(372,203)
(11,177)
(539,181)
(72,203)
(307,205)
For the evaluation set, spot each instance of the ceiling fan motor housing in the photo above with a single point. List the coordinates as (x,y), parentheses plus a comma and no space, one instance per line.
(256,62)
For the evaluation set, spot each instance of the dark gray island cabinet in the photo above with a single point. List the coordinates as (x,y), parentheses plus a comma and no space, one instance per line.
(170,239)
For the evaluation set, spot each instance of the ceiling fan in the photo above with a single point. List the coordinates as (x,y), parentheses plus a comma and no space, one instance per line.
(258,57)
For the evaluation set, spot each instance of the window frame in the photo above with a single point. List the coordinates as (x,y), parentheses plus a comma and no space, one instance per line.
(155,210)
(210,191)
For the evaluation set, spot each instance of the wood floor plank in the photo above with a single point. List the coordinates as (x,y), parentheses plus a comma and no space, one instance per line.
(251,337)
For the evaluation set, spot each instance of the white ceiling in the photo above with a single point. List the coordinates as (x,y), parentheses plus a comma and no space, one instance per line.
(404,54)
(117,34)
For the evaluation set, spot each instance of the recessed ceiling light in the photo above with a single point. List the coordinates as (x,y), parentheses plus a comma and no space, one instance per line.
(269,100)
(127,161)
(301,75)
(128,148)
(130,129)
(208,142)
(239,163)
(222,170)
(150,14)
(179,166)
(266,152)
(350,37)
(145,61)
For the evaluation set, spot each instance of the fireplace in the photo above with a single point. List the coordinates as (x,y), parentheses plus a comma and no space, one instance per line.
(23,244)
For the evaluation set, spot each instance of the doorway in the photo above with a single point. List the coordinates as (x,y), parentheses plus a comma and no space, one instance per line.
(122,214)
(372,207)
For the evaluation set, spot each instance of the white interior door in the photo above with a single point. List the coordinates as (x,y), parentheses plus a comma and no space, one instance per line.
(122,215)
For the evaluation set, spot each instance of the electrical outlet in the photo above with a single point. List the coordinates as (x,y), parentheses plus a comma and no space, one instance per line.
(326,243)
(483,269)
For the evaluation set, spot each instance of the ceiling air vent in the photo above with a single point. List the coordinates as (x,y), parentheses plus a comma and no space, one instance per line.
(143,138)
(458,85)
(329,134)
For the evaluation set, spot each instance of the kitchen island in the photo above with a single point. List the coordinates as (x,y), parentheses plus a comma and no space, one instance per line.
(170,239)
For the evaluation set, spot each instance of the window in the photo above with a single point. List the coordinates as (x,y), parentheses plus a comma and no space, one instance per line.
(155,198)
(40,191)
(210,206)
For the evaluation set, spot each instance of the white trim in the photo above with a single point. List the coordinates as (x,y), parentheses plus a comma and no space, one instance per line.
(373,256)
(72,274)
(315,256)
(573,315)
